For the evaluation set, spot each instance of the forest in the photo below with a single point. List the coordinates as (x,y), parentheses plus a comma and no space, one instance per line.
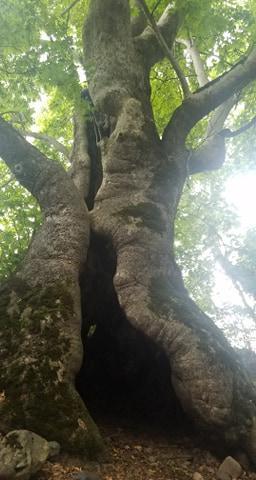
(128,237)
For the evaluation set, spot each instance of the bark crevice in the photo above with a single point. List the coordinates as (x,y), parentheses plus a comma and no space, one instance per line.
(125,374)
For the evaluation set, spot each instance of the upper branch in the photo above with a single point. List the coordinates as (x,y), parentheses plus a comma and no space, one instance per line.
(69,7)
(148,42)
(45,179)
(23,159)
(49,140)
(59,247)
(211,154)
(229,134)
(206,99)
(165,48)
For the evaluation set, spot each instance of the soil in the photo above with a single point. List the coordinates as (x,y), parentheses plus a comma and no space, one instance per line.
(134,452)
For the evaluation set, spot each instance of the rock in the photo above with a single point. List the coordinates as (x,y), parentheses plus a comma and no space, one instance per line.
(22,453)
(54,449)
(197,476)
(230,469)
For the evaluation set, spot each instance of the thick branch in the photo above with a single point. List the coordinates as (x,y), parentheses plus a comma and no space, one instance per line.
(23,159)
(211,155)
(148,42)
(217,119)
(46,180)
(166,50)
(207,99)
(49,140)
(219,116)
(59,246)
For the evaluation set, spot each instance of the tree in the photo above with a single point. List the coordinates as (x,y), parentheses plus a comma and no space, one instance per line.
(115,269)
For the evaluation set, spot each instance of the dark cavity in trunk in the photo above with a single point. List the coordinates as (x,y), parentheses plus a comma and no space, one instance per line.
(124,375)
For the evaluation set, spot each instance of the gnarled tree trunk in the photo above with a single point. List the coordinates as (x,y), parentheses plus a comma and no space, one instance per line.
(136,207)
(131,286)
(40,314)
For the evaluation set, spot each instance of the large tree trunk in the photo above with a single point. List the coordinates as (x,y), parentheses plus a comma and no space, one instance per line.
(136,208)
(40,313)
(137,213)
(131,286)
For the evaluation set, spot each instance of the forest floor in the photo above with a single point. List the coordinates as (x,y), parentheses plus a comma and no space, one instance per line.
(136,453)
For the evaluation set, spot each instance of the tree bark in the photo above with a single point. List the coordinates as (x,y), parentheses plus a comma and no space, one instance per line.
(133,233)
(136,208)
(40,314)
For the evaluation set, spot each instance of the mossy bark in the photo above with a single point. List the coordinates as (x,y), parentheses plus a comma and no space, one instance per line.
(40,309)
(35,380)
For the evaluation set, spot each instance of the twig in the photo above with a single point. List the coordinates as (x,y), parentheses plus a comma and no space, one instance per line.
(229,134)
(47,139)
(8,182)
(155,7)
(184,85)
(7,112)
(67,10)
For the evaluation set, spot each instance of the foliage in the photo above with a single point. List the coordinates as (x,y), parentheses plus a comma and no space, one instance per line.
(20,216)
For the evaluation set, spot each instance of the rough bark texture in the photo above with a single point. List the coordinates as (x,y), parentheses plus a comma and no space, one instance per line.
(136,207)
(40,314)
(131,278)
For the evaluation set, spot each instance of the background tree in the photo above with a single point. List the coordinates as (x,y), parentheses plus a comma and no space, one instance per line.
(128,285)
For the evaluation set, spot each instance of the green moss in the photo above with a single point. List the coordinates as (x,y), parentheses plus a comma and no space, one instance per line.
(148,213)
(34,350)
